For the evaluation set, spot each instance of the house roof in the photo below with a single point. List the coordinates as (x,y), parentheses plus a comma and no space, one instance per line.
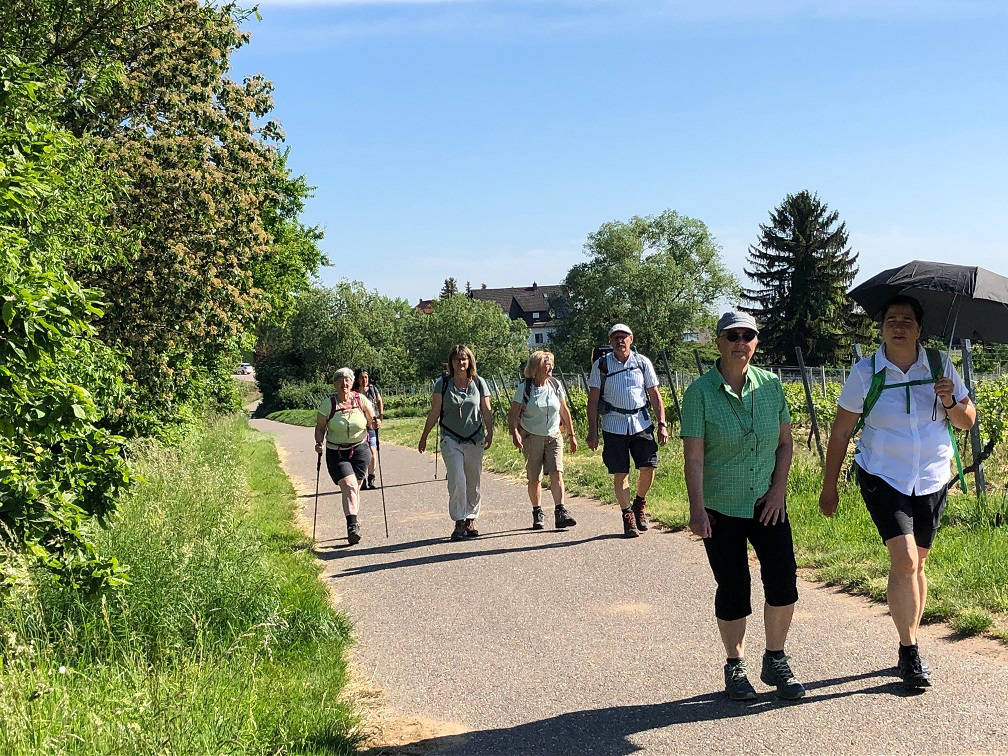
(515,302)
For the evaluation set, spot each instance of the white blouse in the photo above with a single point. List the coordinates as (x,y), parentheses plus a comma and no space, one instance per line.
(908,450)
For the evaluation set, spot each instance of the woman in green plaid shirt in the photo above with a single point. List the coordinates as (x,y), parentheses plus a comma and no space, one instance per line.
(736,433)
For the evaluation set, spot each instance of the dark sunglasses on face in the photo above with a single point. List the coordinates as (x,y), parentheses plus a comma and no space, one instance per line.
(734,336)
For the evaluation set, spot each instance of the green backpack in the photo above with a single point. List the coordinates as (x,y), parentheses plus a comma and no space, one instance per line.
(878,384)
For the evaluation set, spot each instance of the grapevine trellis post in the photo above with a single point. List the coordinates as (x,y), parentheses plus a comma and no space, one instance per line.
(811,406)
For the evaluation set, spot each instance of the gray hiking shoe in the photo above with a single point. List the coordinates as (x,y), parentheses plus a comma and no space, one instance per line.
(538,519)
(353,533)
(913,669)
(562,518)
(736,684)
(777,672)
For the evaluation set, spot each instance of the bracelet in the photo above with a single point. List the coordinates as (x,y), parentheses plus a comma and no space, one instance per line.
(950,406)
(662,424)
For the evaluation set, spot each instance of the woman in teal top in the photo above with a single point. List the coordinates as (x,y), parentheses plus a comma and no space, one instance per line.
(460,406)
(538,414)
(736,433)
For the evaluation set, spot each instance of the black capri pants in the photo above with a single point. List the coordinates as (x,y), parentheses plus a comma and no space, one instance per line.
(350,461)
(729,561)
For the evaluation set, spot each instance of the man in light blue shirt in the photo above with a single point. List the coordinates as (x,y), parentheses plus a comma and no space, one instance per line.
(619,389)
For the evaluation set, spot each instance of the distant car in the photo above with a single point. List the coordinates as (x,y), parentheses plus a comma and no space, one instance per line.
(246,369)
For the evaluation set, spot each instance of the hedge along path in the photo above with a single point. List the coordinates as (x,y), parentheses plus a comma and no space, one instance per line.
(547,642)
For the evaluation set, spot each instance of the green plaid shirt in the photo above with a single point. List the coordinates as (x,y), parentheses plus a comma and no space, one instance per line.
(740,436)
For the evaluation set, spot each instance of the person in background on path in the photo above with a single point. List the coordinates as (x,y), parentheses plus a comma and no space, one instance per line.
(538,416)
(342,425)
(362,385)
(902,460)
(736,433)
(460,406)
(619,387)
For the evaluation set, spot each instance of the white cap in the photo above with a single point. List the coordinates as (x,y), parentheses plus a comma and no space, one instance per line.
(620,328)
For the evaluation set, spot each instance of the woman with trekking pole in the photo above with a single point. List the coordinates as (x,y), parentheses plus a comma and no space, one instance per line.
(902,460)
(538,419)
(460,408)
(362,385)
(341,430)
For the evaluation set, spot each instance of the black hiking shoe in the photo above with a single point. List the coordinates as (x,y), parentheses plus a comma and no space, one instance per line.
(353,533)
(736,685)
(914,671)
(460,530)
(470,531)
(562,518)
(629,524)
(371,483)
(537,518)
(777,673)
(641,517)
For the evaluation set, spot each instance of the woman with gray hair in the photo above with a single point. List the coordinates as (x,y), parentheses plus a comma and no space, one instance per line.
(538,418)
(341,428)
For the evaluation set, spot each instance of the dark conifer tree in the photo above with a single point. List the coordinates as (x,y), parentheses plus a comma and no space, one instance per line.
(802,267)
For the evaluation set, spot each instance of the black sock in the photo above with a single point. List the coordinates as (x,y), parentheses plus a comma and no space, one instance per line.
(351,519)
(624,511)
(775,654)
(536,509)
(733,662)
(638,500)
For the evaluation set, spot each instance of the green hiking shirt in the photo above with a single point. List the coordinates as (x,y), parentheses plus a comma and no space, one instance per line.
(740,436)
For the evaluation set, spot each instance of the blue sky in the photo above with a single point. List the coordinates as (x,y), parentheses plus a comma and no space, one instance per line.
(485,139)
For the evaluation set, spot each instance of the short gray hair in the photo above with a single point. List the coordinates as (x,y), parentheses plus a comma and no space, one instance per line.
(343,372)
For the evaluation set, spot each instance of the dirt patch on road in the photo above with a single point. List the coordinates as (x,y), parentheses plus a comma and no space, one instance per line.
(387,733)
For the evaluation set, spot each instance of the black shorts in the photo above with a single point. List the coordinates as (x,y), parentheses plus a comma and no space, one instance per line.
(617,450)
(342,463)
(898,514)
(728,556)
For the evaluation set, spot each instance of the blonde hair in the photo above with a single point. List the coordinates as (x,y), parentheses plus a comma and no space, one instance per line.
(461,350)
(536,364)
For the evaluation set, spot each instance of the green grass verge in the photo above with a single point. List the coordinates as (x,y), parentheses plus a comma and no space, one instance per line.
(223,642)
(967,569)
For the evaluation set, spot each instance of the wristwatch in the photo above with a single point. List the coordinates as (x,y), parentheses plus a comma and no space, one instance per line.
(662,424)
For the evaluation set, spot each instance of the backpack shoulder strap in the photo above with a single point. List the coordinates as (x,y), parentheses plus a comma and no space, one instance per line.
(872,397)
(332,407)
(556,385)
(527,391)
(935,363)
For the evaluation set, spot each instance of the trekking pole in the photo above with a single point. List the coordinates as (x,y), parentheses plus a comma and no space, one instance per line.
(381,480)
(437,443)
(318,472)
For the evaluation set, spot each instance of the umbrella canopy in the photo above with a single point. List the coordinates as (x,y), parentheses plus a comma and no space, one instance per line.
(959,301)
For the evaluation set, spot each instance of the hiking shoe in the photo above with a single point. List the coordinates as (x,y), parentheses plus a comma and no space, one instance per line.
(914,671)
(641,517)
(629,525)
(353,533)
(537,518)
(736,685)
(371,483)
(562,518)
(776,672)
(470,531)
(460,530)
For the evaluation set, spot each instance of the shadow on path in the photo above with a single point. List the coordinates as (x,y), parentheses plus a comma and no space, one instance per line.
(607,731)
(338,552)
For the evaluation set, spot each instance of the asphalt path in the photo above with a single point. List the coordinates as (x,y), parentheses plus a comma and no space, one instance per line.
(583,642)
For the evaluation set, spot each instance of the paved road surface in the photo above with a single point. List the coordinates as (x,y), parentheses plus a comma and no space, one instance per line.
(581,642)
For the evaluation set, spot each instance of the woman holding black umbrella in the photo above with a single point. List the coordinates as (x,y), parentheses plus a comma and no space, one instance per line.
(902,459)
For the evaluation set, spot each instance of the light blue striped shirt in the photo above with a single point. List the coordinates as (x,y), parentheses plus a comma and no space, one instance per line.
(625,388)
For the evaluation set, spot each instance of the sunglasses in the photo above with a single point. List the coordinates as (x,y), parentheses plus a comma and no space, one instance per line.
(734,336)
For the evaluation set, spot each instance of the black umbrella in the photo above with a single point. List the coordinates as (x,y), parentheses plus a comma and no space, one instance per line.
(959,301)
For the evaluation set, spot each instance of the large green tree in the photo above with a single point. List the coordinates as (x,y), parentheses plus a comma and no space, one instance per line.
(662,275)
(207,195)
(499,344)
(802,266)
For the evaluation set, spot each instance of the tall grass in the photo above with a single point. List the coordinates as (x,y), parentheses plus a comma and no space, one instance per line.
(222,642)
